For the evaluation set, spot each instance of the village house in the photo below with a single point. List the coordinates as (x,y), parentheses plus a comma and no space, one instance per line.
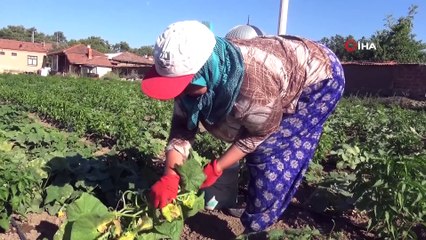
(81,60)
(22,57)
(130,65)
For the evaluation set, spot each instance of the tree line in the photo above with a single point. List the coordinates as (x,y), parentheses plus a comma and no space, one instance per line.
(394,43)
(59,40)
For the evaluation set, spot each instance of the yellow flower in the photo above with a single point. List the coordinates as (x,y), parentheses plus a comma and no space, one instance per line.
(189,200)
(61,214)
(171,212)
(104,225)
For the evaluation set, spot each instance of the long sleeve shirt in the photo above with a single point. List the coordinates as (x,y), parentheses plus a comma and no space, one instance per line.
(276,71)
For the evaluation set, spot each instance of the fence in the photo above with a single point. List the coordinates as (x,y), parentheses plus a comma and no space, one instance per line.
(386,79)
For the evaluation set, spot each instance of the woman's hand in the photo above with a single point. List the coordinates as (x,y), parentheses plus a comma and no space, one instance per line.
(212,174)
(165,190)
(214,169)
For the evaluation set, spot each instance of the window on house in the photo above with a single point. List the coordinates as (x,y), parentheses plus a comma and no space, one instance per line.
(32,60)
(14,54)
(2,53)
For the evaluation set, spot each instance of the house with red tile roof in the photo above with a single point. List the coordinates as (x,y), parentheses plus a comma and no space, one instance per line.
(81,60)
(127,64)
(22,57)
(85,61)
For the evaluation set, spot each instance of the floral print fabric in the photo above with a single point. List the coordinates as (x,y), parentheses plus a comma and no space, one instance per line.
(278,165)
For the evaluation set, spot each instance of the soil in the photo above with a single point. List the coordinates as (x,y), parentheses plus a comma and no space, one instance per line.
(205,225)
(35,227)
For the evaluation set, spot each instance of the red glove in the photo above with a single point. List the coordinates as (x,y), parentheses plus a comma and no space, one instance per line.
(212,174)
(165,190)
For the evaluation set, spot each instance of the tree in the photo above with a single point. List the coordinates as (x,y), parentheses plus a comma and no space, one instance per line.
(96,43)
(397,43)
(121,47)
(59,37)
(337,45)
(394,43)
(21,33)
(145,50)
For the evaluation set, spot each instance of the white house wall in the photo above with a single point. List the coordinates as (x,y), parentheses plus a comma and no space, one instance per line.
(103,70)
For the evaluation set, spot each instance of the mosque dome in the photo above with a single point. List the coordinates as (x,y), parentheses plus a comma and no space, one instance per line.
(244,31)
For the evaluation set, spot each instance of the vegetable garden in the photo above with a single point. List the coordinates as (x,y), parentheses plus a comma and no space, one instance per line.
(86,151)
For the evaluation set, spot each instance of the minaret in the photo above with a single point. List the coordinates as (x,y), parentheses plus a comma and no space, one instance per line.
(282,22)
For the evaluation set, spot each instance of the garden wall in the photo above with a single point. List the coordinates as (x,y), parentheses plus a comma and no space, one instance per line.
(386,79)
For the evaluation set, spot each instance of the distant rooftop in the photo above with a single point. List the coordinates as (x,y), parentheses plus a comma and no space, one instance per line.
(25,46)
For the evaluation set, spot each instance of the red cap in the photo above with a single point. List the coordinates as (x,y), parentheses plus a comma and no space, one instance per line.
(164,88)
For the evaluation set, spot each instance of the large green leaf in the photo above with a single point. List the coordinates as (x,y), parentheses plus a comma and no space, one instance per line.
(63,232)
(171,229)
(58,193)
(86,227)
(4,221)
(86,205)
(191,174)
(197,205)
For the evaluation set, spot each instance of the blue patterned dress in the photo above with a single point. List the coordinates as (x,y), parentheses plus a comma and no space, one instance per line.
(278,165)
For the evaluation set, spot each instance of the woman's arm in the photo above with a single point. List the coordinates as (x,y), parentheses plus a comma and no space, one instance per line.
(173,158)
(180,140)
(231,156)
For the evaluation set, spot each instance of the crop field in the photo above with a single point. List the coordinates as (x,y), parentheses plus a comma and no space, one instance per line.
(78,156)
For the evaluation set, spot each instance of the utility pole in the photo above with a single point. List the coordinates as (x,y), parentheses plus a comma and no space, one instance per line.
(282,22)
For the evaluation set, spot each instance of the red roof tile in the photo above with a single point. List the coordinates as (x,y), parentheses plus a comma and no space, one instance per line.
(24,46)
(84,60)
(78,54)
(128,57)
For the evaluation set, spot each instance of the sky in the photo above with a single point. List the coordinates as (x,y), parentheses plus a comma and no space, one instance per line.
(139,22)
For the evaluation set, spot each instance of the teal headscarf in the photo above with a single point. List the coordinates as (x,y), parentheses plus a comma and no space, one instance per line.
(222,74)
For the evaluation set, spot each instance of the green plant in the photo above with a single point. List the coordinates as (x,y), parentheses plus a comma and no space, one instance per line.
(89,218)
(19,186)
(350,156)
(208,146)
(111,76)
(113,111)
(326,144)
(25,147)
(392,189)
(117,114)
